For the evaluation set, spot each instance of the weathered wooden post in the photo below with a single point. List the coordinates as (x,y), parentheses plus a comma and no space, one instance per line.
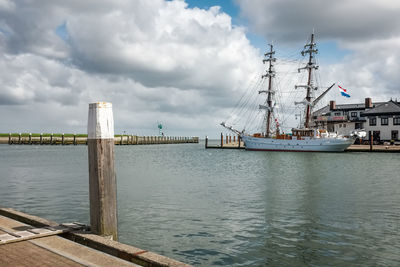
(102,181)
(120,142)
(19,138)
(234,138)
(371,141)
(222,140)
(30,139)
(51,139)
(226,141)
(206,141)
(230,139)
(9,138)
(62,139)
(239,141)
(74,139)
(41,139)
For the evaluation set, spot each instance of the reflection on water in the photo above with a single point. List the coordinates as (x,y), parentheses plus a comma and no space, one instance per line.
(230,207)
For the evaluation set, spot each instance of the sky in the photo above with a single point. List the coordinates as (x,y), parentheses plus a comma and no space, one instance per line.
(182,63)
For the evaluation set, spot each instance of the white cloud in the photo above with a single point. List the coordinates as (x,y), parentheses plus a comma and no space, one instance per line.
(155,60)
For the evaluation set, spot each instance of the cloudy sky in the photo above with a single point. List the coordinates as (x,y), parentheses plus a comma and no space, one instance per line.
(183,63)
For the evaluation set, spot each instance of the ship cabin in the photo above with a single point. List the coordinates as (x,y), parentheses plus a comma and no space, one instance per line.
(303,133)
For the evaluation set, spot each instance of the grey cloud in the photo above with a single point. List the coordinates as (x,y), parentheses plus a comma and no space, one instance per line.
(291,20)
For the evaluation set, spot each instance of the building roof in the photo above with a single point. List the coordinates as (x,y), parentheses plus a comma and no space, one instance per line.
(388,108)
(346,107)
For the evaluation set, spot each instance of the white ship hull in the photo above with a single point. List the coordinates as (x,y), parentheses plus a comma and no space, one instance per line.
(328,144)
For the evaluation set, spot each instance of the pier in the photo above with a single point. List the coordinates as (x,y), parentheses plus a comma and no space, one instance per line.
(27,240)
(228,143)
(80,139)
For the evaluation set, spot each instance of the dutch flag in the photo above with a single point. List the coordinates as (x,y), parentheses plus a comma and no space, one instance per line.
(343,91)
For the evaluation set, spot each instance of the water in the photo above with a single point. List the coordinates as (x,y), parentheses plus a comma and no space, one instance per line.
(225,207)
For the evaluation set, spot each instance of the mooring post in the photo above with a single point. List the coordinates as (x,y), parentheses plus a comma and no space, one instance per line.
(371,140)
(41,139)
(74,139)
(51,139)
(206,141)
(226,141)
(19,138)
(222,140)
(30,139)
(239,141)
(102,181)
(230,139)
(9,138)
(62,139)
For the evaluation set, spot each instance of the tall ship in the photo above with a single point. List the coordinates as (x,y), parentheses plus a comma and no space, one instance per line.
(304,137)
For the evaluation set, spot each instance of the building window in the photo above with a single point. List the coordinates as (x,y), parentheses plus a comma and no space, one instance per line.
(384,121)
(395,135)
(396,121)
(344,125)
(372,122)
(354,114)
(337,113)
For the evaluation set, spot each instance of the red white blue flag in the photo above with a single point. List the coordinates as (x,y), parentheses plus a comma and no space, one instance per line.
(343,91)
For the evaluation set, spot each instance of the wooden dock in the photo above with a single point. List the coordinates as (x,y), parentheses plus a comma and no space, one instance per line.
(73,139)
(65,248)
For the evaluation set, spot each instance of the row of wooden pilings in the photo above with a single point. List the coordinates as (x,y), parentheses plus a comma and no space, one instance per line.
(231,141)
(118,140)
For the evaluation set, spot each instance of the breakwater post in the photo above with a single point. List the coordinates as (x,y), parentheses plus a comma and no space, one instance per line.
(222,140)
(102,181)
(9,138)
(41,138)
(20,138)
(206,142)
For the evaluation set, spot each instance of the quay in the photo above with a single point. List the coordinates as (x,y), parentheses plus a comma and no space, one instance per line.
(232,143)
(27,240)
(80,139)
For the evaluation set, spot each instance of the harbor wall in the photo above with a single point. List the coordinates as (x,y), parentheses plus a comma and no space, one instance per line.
(64,139)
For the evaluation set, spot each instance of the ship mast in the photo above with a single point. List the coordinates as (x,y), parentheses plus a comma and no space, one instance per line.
(310,49)
(270,74)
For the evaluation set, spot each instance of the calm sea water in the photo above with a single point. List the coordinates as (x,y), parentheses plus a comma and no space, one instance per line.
(225,207)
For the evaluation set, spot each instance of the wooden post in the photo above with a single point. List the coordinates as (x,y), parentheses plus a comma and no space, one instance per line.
(9,138)
(74,139)
(230,139)
(41,138)
(19,138)
(371,140)
(239,141)
(222,140)
(206,141)
(226,141)
(62,139)
(30,139)
(51,139)
(234,138)
(102,181)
